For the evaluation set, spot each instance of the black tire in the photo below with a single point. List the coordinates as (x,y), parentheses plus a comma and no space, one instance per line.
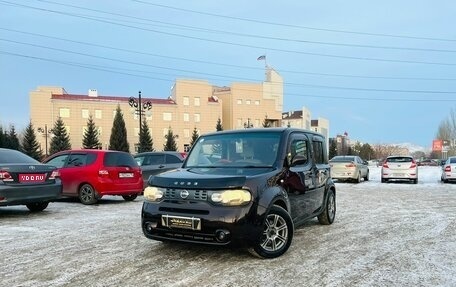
(415,181)
(37,206)
(130,197)
(277,234)
(87,194)
(366,178)
(329,212)
(384,180)
(358,178)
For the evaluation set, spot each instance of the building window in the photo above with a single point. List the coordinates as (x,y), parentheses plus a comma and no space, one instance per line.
(136,130)
(186,101)
(98,114)
(64,112)
(239,123)
(67,129)
(167,117)
(186,133)
(257,122)
(257,103)
(114,114)
(197,102)
(186,117)
(85,114)
(239,102)
(165,131)
(197,118)
(247,102)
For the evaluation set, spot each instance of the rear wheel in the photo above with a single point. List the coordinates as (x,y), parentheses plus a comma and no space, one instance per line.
(37,206)
(358,178)
(87,194)
(329,212)
(384,180)
(415,181)
(366,178)
(277,234)
(130,197)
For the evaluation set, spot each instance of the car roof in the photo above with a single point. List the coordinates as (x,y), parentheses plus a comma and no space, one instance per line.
(157,152)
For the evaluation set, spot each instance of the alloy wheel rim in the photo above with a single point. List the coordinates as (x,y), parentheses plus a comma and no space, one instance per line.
(87,193)
(331,207)
(275,234)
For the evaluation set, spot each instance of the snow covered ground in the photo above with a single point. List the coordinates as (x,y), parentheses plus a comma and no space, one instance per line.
(390,234)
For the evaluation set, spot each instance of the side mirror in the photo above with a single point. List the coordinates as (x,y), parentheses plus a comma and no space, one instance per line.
(298,160)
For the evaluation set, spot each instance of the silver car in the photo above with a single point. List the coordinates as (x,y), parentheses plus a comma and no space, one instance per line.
(449,170)
(349,167)
(399,168)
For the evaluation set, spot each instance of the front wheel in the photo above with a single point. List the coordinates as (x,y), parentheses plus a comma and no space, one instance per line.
(329,212)
(277,234)
(87,194)
(37,206)
(366,178)
(130,197)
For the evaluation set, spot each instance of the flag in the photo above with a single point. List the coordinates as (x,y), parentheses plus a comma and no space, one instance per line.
(262,57)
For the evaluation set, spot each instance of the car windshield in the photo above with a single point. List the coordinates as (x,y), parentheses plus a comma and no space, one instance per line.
(399,159)
(235,150)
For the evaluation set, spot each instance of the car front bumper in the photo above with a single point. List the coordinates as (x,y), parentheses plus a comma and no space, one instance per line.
(218,225)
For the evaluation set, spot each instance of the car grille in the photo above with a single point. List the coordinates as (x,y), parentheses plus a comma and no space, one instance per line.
(193,194)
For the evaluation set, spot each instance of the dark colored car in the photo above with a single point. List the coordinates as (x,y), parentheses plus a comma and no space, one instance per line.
(25,181)
(250,187)
(91,174)
(153,163)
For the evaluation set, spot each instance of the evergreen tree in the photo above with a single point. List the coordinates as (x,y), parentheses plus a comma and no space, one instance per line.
(12,139)
(145,140)
(118,140)
(30,145)
(219,126)
(332,148)
(266,123)
(170,144)
(90,139)
(2,138)
(60,140)
(194,138)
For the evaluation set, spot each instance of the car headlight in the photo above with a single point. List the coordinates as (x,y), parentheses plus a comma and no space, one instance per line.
(152,193)
(231,197)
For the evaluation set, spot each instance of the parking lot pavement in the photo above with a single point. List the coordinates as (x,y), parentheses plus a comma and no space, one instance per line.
(391,234)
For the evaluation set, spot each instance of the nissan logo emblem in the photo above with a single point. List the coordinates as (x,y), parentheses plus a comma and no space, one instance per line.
(184,194)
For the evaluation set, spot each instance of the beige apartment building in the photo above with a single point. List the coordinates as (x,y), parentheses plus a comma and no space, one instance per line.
(191,104)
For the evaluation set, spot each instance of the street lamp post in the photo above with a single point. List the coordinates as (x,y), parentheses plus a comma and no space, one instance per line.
(139,108)
(248,124)
(45,132)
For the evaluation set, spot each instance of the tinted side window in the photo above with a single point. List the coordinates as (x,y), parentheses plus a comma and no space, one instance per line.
(172,159)
(318,152)
(119,159)
(155,159)
(77,160)
(58,161)
(299,147)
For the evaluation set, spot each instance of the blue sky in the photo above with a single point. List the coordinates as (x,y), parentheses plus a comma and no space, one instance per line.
(382,71)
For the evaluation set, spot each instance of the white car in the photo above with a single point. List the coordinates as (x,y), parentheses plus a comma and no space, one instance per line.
(399,168)
(349,167)
(449,169)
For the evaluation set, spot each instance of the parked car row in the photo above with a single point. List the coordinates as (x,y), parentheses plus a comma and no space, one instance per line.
(85,174)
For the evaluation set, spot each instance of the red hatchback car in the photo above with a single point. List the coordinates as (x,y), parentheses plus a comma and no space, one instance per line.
(91,174)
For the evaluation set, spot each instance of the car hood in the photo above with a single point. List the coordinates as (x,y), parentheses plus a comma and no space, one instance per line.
(196,178)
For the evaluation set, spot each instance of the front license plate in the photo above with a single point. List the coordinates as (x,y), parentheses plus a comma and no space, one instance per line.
(31,178)
(171,221)
(126,175)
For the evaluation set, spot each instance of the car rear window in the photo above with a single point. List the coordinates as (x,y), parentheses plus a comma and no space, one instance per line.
(342,159)
(12,156)
(399,159)
(119,159)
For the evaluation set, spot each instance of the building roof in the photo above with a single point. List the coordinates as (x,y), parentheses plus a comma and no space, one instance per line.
(73,97)
(291,115)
